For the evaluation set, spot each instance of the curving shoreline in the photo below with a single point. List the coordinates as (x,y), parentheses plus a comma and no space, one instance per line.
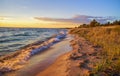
(17,60)
(60,59)
(43,60)
(79,61)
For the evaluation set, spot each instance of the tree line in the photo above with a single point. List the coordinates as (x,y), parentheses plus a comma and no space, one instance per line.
(95,23)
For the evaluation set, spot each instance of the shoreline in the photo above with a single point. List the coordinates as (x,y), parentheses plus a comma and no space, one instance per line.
(17,59)
(60,67)
(79,61)
(70,57)
(41,61)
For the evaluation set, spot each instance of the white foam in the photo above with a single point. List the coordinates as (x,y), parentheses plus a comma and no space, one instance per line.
(15,62)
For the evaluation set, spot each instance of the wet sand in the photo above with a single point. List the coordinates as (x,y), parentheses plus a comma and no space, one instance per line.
(80,61)
(43,60)
(59,68)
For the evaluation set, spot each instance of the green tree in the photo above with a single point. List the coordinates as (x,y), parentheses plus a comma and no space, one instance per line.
(116,22)
(94,23)
(108,23)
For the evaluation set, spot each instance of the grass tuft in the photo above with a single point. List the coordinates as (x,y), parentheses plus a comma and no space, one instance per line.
(109,40)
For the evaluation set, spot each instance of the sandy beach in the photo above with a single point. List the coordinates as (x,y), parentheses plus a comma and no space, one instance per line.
(59,37)
(77,62)
(70,57)
(43,60)
(59,68)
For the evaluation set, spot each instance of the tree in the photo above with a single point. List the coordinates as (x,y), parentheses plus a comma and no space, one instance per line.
(94,23)
(108,23)
(116,22)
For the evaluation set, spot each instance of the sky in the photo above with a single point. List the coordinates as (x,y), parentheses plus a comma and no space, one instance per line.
(14,12)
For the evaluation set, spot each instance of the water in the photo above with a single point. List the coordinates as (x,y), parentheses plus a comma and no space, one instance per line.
(12,39)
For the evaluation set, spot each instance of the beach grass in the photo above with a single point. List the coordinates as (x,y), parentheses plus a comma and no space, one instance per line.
(109,39)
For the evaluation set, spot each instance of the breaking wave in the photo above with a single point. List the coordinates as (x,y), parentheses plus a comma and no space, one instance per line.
(17,59)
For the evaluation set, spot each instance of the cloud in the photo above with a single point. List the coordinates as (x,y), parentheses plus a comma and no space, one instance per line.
(79,19)
(53,19)
(75,19)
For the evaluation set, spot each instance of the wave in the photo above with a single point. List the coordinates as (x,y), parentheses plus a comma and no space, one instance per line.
(6,48)
(16,60)
(23,34)
(9,40)
(3,36)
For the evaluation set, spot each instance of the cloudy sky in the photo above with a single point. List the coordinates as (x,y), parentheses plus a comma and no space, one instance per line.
(41,13)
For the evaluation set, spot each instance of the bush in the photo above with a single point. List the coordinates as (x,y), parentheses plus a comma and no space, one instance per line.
(95,23)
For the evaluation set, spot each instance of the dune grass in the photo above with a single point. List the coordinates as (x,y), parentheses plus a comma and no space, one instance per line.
(109,39)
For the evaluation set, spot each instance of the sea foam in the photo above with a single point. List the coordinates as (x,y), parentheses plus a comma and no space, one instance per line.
(18,59)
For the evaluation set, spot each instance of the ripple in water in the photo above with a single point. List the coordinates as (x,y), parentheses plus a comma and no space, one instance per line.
(11,39)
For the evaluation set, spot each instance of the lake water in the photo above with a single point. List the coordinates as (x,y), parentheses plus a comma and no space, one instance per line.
(12,39)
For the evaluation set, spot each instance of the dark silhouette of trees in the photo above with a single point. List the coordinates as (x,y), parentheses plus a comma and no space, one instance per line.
(116,22)
(108,23)
(94,23)
(83,25)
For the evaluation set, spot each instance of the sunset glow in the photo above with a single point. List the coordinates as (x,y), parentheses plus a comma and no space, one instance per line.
(33,23)
(56,13)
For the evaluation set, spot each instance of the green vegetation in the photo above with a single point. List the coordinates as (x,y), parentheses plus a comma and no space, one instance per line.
(95,23)
(109,39)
